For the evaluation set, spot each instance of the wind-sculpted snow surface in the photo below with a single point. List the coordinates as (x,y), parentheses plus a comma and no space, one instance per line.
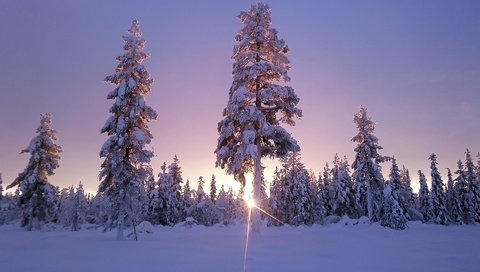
(345,246)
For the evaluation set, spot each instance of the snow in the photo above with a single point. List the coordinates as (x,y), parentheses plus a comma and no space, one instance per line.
(338,247)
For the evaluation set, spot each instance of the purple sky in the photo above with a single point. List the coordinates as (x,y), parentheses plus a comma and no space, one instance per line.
(414,64)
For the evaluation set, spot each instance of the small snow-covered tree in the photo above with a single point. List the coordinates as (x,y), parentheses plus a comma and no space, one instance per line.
(278,200)
(150,187)
(200,194)
(399,188)
(174,170)
(65,206)
(473,184)
(318,207)
(325,190)
(188,201)
(169,203)
(393,215)
(204,211)
(79,207)
(98,210)
(37,195)
(127,161)
(213,190)
(72,207)
(452,200)
(222,205)
(340,188)
(477,167)
(406,183)
(251,126)
(1,187)
(464,196)
(367,174)
(424,200)
(440,215)
(292,196)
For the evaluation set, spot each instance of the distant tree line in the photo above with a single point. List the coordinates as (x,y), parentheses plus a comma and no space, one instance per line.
(296,196)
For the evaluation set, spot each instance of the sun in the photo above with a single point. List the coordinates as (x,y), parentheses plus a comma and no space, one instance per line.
(251,203)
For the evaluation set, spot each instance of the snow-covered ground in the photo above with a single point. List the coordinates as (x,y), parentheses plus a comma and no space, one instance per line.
(421,247)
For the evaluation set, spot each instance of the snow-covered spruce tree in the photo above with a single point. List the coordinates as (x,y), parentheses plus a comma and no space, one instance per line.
(367,175)
(464,196)
(278,201)
(176,198)
(9,209)
(393,215)
(236,206)
(98,210)
(292,197)
(257,105)
(150,189)
(424,200)
(1,187)
(72,207)
(398,188)
(473,184)
(407,187)
(188,201)
(222,206)
(37,195)
(213,190)
(79,208)
(452,204)
(127,161)
(327,180)
(65,203)
(340,188)
(320,211)
(440,215)
(169,205)
(477,167)
(204,211)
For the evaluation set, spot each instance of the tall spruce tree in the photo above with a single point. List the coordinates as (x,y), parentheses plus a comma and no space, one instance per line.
(367,175)
(440,215)
(127,161)
(251,126)
(37,196)
(424,199)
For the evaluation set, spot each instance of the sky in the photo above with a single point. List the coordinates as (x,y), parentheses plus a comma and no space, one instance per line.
(414,64)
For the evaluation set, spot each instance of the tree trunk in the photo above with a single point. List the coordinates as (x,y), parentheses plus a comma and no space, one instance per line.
(369,201)
(121,225)
(257,190)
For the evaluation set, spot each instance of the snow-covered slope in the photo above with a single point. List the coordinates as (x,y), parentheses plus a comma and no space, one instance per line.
(421,247)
